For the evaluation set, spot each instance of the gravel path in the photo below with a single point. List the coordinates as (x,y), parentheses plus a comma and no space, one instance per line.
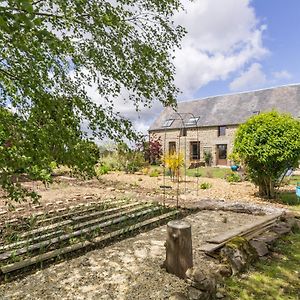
(129,269)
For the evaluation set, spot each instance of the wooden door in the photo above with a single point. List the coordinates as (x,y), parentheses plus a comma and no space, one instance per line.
(222,155)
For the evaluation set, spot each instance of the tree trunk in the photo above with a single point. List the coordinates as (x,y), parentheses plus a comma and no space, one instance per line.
(179,253)
(267,188)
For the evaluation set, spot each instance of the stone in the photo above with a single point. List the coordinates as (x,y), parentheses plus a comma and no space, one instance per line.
(260,247)
(219,295)
(239,254)
(281,228)
(201,280)
(224,271)
(195,294)
(178,296)
(268,238)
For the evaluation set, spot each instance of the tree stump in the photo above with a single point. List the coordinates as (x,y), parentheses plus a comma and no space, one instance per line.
(179,253)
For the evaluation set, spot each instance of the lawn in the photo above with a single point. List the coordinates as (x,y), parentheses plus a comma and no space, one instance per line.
(209,172)
(294,179)
(275,279)
(290,199)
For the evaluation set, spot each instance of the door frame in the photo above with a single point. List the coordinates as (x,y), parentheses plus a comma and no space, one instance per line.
(221,161)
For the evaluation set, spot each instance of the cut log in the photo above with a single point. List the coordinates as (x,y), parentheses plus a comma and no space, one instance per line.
(39,258)
(179,253)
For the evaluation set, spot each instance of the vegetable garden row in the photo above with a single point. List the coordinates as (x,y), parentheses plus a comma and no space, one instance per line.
(30,241)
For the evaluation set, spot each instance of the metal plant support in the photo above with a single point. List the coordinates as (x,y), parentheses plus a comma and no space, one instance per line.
(182,128)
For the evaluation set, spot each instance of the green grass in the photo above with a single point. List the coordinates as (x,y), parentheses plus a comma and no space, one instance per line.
(289,198)
(209,172)
(294,179)
(274,279)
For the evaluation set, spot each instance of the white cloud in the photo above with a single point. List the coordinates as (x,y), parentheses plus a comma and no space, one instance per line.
(223,37)
(253,78)
(282,75)
(141,119)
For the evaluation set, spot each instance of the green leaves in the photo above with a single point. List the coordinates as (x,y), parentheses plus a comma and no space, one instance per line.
(51,51)
(268,144)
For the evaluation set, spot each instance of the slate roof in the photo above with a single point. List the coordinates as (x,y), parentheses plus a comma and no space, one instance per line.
(232,109)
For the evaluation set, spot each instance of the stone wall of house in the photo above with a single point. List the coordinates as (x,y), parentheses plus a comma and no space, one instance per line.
(207,136)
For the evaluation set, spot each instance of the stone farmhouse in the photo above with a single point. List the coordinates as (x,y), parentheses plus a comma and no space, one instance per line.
(209,124)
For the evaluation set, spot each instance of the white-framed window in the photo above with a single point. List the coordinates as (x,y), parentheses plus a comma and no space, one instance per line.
(168,123)
(192,121)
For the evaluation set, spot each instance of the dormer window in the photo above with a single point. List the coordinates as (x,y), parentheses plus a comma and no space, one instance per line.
(192,121)
(168,123)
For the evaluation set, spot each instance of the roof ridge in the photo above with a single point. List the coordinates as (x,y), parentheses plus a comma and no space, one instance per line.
(241,93)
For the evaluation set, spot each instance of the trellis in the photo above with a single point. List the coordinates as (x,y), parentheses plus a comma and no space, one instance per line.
(179,116)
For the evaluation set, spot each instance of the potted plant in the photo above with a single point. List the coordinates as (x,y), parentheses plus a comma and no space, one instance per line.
(235,161)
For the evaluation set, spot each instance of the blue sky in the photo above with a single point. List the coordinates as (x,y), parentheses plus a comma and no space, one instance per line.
(281,37)
(231,46)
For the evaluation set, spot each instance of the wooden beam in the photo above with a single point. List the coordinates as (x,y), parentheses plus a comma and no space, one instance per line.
(6,255)
(51,254)
(66,222)
(242,229)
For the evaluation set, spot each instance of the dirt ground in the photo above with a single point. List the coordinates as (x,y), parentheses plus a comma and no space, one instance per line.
(67,192)
(129,269)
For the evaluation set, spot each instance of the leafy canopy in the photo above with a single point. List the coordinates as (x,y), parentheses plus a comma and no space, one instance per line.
(51,50)
(268,144)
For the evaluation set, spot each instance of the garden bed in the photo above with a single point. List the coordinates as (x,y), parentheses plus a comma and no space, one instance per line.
(128,269)
(28,241)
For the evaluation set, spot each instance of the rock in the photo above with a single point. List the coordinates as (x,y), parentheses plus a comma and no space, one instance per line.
(267,237)
(224,271)
(294,223)
(281,228)
(219,295)
(201,280)
(195,294)
(239,254)
(260,247)
(178,296)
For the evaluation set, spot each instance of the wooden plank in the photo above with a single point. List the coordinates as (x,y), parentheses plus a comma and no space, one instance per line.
(6,255)
(210,247)
(35,239)
(66,222)
(76,212)
(99,213)
(99,220)
(51,254)
(242,230)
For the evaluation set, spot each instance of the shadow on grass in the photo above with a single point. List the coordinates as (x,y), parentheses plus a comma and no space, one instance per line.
(277,278)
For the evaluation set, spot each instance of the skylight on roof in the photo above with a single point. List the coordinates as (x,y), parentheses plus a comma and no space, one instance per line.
(192,121)
(168,123)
